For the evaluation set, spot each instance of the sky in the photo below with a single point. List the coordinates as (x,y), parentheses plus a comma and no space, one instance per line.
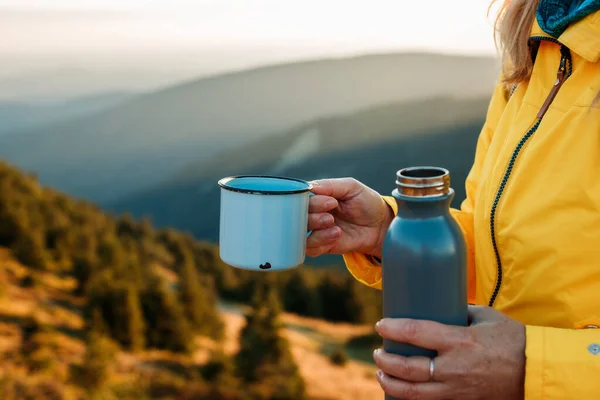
(196,37)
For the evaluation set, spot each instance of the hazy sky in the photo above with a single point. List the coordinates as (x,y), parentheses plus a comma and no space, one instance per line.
(70,25)
(203,36)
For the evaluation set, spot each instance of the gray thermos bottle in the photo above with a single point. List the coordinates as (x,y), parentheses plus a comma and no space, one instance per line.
(424,256)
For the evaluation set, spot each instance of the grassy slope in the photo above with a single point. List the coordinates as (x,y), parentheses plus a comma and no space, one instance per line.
(51,303)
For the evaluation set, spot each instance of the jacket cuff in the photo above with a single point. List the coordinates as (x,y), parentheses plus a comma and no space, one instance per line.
(534,364)
(391,201)
(364,269)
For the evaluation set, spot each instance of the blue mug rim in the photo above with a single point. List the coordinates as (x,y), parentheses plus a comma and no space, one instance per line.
(223,183)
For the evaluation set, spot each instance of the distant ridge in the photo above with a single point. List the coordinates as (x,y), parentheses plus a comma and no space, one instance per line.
(142,142)
(22,115)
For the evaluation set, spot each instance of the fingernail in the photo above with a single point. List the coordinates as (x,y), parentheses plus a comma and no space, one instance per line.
(376,352)
(380,374)
(314,183)
(378,324)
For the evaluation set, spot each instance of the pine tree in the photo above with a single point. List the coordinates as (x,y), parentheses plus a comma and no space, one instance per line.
(97,324)
(85,258)
(126,226)
(333,295)
(83,265)
(299,297)
(167,327)
(111,254)
(118,303)
(94,373)
(220,370)
(264,361)
(29,249)
(133,270)
(199,300)
(135,326)
(363,303)
(11,222)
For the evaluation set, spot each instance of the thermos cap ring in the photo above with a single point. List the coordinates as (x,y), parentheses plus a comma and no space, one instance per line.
(423,181)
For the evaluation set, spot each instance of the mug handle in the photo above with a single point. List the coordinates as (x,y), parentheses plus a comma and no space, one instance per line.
(310,194)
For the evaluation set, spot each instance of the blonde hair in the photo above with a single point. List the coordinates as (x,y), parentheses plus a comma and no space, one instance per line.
(513,27)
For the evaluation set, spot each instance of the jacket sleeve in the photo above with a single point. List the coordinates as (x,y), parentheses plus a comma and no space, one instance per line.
(562,363)
(368,272)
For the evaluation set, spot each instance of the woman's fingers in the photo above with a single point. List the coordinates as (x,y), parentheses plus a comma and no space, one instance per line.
(319,251)
(321,241)
(320,221)
(325,233)
(321,204)
(323,237)
(412,369)
(410,390)
(422,333)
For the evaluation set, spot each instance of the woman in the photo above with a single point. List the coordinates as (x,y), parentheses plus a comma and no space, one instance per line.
(535,270)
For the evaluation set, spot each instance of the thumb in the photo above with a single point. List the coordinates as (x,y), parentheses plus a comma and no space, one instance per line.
(339,188)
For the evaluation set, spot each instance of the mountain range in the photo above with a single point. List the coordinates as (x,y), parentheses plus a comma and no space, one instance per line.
(16,116)
(140,143)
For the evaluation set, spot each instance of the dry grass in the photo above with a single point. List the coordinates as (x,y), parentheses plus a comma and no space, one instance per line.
(9,265)
(340,331)
(48,303)
(354,381)
(165,273)
(10,338)
(42,302)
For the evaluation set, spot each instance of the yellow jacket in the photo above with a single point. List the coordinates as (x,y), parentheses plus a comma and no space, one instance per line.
(547,218)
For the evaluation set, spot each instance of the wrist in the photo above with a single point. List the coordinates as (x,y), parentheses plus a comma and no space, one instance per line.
(377,249)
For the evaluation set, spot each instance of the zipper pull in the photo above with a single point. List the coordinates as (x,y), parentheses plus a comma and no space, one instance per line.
(560,79)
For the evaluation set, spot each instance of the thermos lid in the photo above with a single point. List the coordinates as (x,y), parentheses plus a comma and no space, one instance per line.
(423,181)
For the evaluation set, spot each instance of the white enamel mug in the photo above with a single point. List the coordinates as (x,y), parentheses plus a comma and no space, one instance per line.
(263,225)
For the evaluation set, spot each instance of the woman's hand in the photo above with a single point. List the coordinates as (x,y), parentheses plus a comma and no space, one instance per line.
(483,361)
(346,216)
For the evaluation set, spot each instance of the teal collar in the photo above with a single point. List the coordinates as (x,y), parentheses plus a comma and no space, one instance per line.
(555,16)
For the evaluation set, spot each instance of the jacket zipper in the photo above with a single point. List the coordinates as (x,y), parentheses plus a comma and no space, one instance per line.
(563,73)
